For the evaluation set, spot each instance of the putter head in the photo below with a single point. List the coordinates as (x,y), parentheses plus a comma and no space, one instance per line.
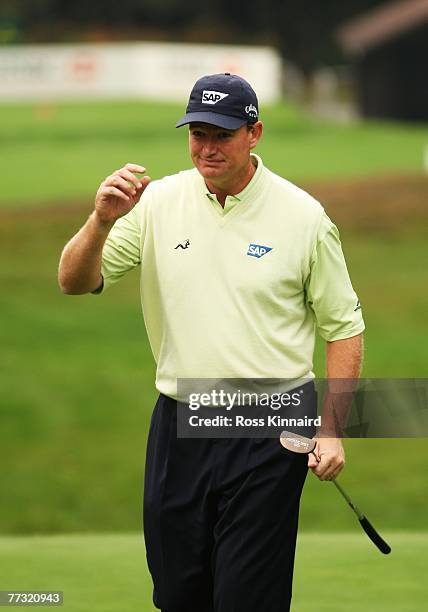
(297,444)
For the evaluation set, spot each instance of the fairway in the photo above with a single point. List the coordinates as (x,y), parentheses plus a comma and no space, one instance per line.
(77,372)
(58,153)
(87,366)
(108,573)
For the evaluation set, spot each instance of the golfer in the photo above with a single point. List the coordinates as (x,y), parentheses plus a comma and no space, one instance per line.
(238,270)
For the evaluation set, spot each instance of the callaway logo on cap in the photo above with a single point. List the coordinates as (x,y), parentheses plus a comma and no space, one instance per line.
(224,100)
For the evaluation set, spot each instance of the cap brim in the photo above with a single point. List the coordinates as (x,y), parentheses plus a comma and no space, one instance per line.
(223,121)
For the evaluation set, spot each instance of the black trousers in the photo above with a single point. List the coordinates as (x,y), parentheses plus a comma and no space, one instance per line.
(220,519)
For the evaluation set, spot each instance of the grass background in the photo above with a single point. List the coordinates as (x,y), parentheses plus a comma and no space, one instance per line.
(107,572)
(60,152)
(77,374)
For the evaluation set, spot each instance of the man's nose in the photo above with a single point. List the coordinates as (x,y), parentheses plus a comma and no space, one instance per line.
(210,146)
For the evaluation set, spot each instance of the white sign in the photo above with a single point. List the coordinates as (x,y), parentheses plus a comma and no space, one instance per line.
(158,71)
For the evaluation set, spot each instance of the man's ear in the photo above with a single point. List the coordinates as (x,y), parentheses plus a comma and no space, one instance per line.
(256,131)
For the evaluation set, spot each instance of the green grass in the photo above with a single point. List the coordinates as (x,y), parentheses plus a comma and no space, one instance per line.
(61,152)
(333,573)
(78,389)
(389,273)
(77,373)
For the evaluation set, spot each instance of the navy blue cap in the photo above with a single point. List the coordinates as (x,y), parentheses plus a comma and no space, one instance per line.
(225,100)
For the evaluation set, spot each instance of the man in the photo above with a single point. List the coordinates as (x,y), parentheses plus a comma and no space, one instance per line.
(238,268)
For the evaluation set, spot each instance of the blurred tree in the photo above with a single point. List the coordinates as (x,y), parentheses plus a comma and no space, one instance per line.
(301,29)
(306,28)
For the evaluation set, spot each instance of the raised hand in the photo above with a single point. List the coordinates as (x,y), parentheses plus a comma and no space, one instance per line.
(119,193)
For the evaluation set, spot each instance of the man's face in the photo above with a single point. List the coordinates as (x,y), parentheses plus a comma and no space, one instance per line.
(221,155)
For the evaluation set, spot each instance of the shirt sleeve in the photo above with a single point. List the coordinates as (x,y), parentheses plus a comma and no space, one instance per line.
(329,291)
(122,249)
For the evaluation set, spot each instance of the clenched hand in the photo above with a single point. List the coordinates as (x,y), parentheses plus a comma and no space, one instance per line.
(329,460)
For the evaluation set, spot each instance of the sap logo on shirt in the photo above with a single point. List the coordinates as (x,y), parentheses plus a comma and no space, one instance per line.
(257,250)
(212,97)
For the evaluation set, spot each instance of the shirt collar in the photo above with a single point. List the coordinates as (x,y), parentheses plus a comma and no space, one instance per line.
(250,191)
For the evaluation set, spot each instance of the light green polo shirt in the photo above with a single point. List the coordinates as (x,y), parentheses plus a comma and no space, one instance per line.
(236,292)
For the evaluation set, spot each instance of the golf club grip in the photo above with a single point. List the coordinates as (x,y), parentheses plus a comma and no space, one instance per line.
(374,536)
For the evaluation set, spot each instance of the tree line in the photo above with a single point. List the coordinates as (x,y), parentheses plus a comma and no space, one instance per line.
(302,30)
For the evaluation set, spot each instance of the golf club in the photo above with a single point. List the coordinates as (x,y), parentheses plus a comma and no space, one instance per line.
(299,444)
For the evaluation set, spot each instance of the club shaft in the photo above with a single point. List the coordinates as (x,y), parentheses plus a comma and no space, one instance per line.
(348,499)
(363,520)
(345,495)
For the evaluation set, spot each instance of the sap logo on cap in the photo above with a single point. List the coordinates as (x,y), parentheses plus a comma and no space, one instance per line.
(212,97)
(257,250)
(252,111)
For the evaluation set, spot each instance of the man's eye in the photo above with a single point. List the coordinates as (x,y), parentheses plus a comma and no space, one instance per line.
(197,134)
(224,135)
